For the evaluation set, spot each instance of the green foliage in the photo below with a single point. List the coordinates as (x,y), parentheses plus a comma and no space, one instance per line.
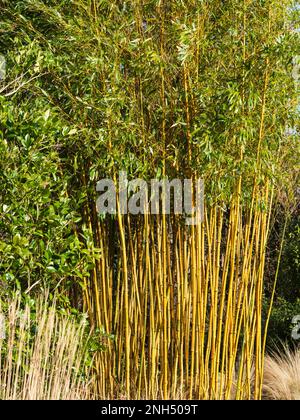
(38,216)
(289,276)
(83,99)
(287,302)
(102,71)
(281,326)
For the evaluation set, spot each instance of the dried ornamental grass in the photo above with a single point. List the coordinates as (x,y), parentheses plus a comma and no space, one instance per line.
(42,354)
(282,376)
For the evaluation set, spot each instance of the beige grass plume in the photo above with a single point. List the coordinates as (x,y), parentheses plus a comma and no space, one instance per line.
(282,376)
(41,354)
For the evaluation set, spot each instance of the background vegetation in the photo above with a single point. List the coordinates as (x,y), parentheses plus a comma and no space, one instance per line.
(156,88)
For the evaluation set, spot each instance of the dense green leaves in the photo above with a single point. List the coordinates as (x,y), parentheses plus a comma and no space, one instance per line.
(39,217)
(94,87)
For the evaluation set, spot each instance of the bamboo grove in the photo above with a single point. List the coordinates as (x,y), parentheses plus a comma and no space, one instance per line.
(174,89)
